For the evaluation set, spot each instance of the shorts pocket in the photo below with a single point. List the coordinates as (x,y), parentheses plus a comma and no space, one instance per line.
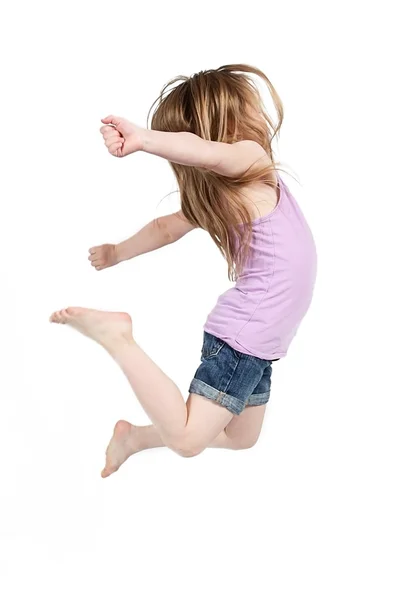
(211,346)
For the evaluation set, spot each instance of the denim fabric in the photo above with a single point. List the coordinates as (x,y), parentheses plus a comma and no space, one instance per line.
(231,378)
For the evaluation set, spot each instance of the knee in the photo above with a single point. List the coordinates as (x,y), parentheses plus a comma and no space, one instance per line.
(245,443)
(186,447)
(189,452)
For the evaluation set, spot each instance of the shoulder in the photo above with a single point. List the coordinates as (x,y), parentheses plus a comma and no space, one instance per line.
(251,150)
(250,146)
(236,158)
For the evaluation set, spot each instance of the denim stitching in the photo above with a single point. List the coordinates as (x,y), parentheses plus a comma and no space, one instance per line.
(232,374)
(204,389)
(216,352)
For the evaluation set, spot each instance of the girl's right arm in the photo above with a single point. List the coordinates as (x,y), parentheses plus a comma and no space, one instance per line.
(232,160)
(156,234)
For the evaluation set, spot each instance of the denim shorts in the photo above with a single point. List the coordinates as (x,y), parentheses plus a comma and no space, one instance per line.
(231,378)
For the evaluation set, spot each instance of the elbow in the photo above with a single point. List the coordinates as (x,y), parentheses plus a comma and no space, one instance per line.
(164,232)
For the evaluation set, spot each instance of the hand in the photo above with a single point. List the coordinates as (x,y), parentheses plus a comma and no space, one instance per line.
(121,137)
(102,257)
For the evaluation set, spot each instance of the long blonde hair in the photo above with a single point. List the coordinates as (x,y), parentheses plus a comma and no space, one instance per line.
(221,105)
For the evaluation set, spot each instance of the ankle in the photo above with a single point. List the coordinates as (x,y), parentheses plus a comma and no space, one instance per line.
(145,437)
(116,345)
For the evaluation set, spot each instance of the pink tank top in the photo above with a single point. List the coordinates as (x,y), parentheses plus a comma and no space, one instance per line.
(260,315)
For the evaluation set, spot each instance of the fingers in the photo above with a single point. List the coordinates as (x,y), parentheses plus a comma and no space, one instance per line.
(98,264)
(108,131)
(99,258)
(96,258)
(112,138)
(111,119)
(114,145)
(113,141)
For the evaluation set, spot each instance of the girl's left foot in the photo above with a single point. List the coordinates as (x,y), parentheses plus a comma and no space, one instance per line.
(123,444)
(106,328)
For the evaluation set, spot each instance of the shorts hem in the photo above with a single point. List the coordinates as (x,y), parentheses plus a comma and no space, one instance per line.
(258,399)
(234,405)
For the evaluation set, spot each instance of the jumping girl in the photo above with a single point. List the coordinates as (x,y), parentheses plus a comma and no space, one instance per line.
(215,132)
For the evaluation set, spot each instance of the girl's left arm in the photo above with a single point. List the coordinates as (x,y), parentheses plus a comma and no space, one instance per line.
(156,234)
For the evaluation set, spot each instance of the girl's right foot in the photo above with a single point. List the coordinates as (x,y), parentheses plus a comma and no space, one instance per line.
(123,444)
(109,329)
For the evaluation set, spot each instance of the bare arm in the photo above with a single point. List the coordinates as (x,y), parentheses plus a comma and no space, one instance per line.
(231,160)
(159,232)
(156,234)
(123,137)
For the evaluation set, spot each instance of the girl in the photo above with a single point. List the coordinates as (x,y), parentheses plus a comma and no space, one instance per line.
(216,134)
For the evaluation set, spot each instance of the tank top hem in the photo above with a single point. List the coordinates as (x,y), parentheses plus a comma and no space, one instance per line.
(243,349)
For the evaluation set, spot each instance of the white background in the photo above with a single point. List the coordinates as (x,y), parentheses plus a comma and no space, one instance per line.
(323,506)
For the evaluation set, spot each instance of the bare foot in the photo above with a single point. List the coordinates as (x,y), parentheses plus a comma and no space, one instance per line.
(123,444)
(103,327)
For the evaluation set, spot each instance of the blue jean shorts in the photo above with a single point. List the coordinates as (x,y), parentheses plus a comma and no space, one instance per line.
(231,378)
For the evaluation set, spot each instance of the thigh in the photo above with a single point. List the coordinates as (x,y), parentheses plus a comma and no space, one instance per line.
(206,419)
(247,426)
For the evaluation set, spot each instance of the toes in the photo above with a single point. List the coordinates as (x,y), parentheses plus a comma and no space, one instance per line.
(60,316)
(67,314)
(64,316)
(56,317)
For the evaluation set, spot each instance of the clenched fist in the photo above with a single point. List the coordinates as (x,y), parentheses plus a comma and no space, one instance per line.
(121,137)
(102,257)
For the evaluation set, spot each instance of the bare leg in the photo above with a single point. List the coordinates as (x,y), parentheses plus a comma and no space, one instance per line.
(185,428)
(242,432)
